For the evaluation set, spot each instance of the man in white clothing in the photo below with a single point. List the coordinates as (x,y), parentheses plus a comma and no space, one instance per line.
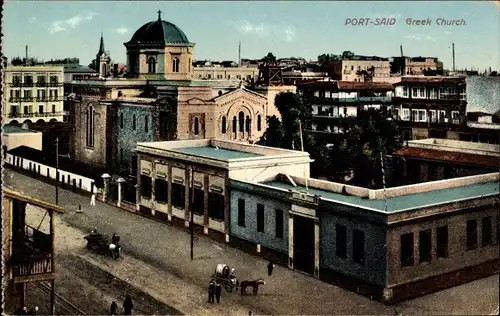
(92,200)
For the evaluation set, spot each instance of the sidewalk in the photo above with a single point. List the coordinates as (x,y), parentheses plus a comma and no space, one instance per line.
(166,249)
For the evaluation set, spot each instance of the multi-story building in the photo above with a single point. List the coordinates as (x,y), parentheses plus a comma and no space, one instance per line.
(430,107)
(390,244)
(360,68)
(210,71)
(335,104)
(27,247)
(415,65)
(437,159)
(34,94)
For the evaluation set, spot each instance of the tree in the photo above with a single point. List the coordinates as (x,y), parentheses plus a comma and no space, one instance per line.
(374,134)
(93,65)
(273,136)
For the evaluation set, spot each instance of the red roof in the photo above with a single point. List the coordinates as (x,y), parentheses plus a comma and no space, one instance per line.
(449,156)
(430,80)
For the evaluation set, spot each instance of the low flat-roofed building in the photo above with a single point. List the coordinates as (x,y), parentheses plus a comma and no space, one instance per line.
(437,159)
(168,171)
(390,244)
(15,136)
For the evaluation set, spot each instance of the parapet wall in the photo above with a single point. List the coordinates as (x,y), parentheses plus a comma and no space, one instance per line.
(432,186)
(332,186)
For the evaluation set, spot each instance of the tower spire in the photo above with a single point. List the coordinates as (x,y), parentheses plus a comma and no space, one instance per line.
(101,45)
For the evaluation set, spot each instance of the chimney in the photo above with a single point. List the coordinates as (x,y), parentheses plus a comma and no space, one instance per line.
(453,52)
(26,60)
(239,54)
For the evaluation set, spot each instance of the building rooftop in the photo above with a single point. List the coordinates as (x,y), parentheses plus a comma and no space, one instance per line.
(10,129)
(430,80)
(399,203)
(216,153)
(218,150)
(457,146)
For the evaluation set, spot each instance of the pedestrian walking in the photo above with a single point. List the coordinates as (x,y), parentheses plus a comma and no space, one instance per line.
(217,291)
(128,305)
(270,268)
(113,308)
(211,292)
(92,200)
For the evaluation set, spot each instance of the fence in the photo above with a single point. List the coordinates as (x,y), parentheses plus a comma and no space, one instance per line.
(66,179)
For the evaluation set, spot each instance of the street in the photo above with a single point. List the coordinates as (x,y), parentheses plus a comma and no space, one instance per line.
(156,264)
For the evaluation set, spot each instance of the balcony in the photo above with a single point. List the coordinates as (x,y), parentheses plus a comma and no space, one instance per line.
(37,99)
(374,99)
(32,255)
(37,114)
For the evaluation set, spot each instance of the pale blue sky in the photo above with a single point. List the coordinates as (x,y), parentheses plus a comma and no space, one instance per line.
(288,28)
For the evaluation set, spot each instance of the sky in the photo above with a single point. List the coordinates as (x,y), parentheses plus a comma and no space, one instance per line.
(59,29)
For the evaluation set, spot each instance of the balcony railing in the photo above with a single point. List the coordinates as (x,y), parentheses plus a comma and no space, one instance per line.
(38,84)
(32,266)
(37,114)
(37,99)
(356,100)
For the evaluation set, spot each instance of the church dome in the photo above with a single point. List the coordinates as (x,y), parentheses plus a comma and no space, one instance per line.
(159,32)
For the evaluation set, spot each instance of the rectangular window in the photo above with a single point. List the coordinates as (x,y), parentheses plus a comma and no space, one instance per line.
(421,93)
(405,92)
(406,114)
(146,127)
(498,229)
(40,109)
(486,231)
(216,206)
(425,245)
(432,116)
(241,212)
(278,215)
(161,191)
(178,195)
(145,187)
(414,92)
(406,250)
(260,218)
(121,155)
(199,201)
(432,93)
(341,241)
(442,241)
(471,234)
(358,246)
(53,108)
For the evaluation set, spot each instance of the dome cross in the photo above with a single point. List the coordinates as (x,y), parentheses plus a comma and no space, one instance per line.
(159,15)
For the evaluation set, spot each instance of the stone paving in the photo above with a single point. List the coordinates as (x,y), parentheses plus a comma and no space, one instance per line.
(157,256)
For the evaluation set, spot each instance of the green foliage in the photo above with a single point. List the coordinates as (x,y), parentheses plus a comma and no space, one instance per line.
(273,136)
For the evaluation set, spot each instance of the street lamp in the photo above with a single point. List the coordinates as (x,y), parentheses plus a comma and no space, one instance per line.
(191,228)
(57,171)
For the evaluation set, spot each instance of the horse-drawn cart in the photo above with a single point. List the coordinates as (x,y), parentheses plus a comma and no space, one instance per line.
(100,243)
(225,277)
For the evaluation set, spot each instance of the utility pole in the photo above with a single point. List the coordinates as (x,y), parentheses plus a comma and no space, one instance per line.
(191,228)
(57,171)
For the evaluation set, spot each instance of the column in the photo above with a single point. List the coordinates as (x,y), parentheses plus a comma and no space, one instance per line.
(105,178)
(153,176)
(290,241)
(137,197)
(120,181)
(316,248)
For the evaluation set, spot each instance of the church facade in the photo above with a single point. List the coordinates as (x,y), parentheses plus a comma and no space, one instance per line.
(158,100)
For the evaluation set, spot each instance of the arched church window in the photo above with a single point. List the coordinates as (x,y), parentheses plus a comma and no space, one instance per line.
(196,126)
(121,120)
(175,64)
(151,65)
(247,124)
(133,122)
(224,125)
(90,127)
(235,123)
(241,119)
(189,65)
(259,123)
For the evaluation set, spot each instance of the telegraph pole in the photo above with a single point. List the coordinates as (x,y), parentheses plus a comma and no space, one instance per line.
(57,171)
(191,228)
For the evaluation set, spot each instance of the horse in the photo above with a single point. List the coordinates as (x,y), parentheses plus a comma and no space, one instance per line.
(255,284)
